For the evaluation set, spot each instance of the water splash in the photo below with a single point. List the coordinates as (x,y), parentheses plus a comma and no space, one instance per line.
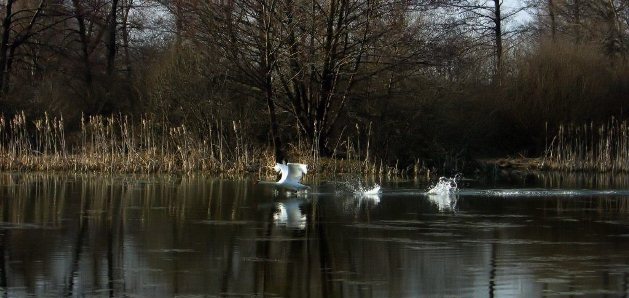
(445,186)
(365,194)
(375,190)
(359,189)
(361,195)
(443,194)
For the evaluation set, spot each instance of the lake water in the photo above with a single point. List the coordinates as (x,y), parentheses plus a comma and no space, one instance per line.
(155,236)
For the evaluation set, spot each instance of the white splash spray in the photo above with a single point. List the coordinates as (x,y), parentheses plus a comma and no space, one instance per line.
(375,190)
(358,189)
(445,186)
(362,193)
(443,194)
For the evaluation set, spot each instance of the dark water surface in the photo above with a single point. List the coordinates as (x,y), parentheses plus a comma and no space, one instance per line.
(143,236)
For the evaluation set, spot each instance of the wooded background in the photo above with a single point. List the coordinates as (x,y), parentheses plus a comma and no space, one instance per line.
(431,79)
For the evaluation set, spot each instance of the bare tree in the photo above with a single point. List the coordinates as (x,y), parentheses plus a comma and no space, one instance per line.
(487,19)
(112,30)
(79,15)
(15,32)
(553,20)
(6,36)
(588,22)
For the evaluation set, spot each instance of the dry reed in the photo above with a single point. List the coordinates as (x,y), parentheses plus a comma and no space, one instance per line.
(118,144)
(349,157)
(589,147)
(115,144)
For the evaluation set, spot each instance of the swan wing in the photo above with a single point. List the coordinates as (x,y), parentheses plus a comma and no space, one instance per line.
(296,171)
(281,168)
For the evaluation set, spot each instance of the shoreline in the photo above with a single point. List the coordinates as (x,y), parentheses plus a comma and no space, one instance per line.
(146,163)
(519,163)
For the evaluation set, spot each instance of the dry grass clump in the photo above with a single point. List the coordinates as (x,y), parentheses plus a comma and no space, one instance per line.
(590,147)
(352,154)
(118,144)
(115,144)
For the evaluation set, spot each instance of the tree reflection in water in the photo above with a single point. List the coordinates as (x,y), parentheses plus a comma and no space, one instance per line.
(164,235)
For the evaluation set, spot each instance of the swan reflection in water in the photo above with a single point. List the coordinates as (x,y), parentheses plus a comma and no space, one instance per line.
(444,202)
(289,213)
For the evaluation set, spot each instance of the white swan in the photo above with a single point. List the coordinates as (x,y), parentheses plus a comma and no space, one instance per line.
(291,175)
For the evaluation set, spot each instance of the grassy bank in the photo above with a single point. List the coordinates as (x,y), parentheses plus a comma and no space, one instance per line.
(118,144)
(588,147)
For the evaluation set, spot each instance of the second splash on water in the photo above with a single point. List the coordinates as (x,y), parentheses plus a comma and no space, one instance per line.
(443,194)
(445,186)
(361,191)
(357,188)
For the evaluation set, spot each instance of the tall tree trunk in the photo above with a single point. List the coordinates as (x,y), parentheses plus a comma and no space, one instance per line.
(576,10)
(85,51)
(80,19)
(267,68)
(327,74)
(8,67)
(111,40)
(553,22)
(498,37)
(178,22)
(4,46)
(277,143)
(125,37)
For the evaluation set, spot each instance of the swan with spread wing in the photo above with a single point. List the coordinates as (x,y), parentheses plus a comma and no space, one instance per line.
(291,176)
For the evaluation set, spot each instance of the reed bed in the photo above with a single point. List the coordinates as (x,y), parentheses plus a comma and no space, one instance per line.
(118,144)
(352,154)
(589,147)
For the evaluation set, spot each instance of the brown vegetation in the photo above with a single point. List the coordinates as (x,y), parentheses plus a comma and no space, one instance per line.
(590,147)
(114,144)
(198,85)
